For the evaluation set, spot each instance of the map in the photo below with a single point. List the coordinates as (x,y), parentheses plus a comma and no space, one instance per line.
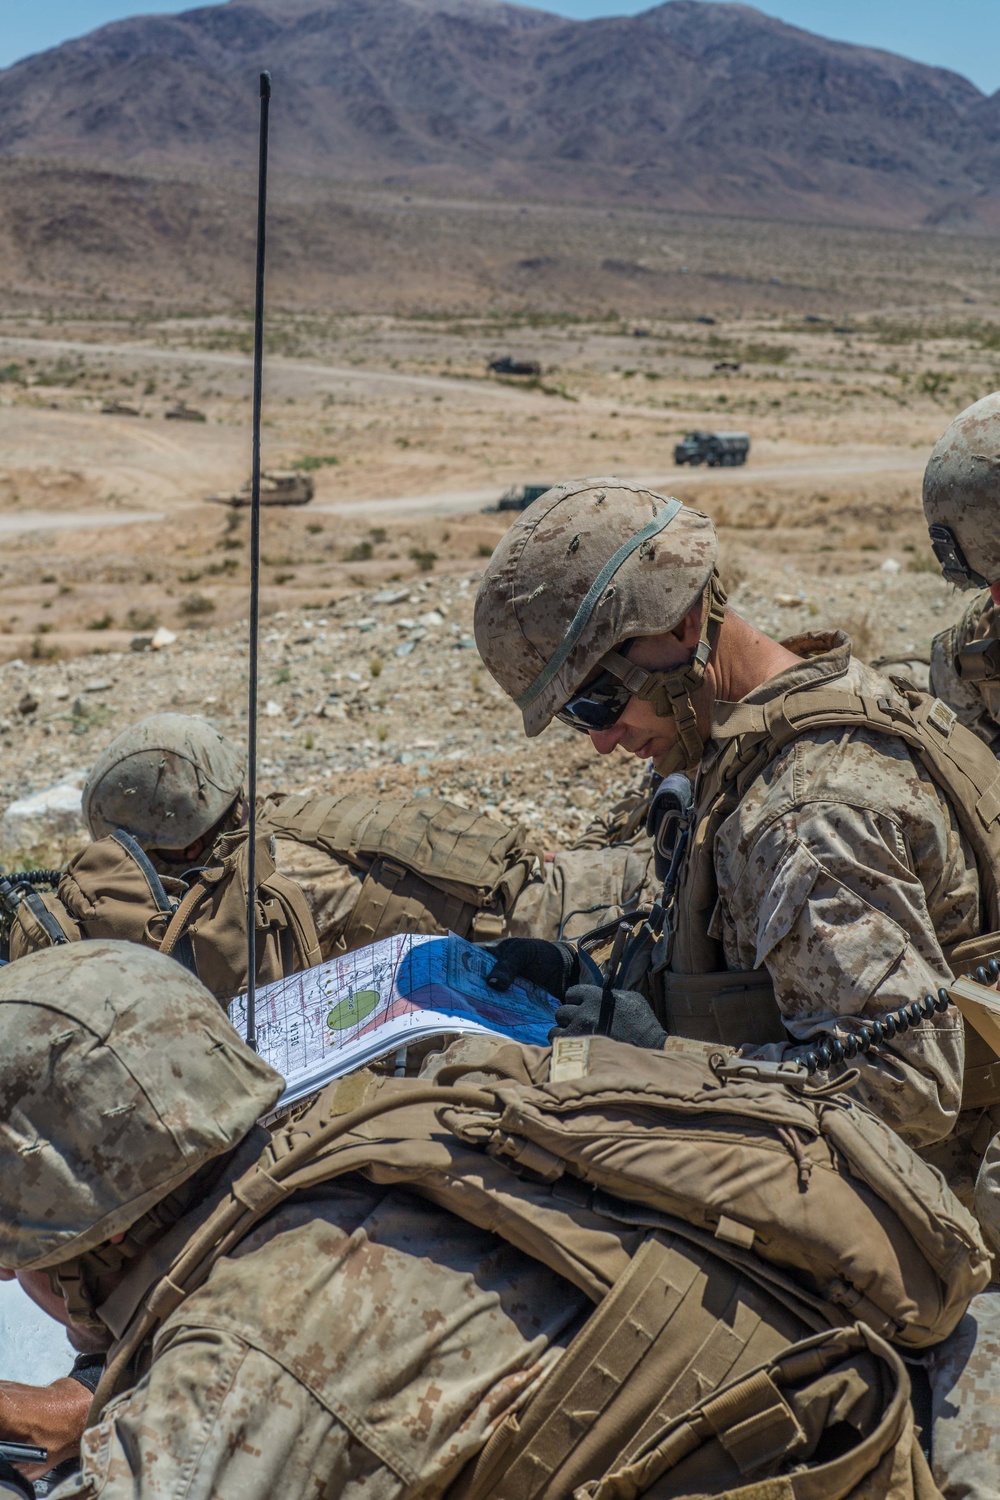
(318,1025)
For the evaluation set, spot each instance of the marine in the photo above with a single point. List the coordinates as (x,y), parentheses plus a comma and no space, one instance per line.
(166,807)
(387,1298)
(829,878)
(961,496)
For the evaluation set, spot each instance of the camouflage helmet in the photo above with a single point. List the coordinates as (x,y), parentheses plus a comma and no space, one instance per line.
(590,564)
(167,780)
(962,496)
(122,1077)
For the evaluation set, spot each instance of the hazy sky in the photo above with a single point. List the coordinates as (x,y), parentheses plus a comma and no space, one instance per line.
(963,34)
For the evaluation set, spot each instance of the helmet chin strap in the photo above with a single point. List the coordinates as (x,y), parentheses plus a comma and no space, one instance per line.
(670,693)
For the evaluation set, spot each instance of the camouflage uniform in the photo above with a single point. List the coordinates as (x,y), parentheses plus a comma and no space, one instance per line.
(843,871)
(391,1340)
(976,703)
(359,1340)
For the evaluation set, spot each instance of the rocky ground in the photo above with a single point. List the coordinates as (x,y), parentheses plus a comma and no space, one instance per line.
(369,676)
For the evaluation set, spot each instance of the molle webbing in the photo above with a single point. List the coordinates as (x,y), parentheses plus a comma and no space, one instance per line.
(677,1323)
(429,864)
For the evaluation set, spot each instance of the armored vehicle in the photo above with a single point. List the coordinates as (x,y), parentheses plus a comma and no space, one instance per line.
(118,409)
(505,365)
(184,413)
(277,487)
(713,448)
(519,497)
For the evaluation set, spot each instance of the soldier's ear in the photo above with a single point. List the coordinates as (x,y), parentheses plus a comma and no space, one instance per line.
(688,631)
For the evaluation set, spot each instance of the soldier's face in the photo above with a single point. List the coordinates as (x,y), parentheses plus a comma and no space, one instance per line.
(639,729)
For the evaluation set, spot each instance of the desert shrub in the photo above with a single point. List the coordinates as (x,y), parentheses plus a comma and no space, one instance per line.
(141,619)
(196,604)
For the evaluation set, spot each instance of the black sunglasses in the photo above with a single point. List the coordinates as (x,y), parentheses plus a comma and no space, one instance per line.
(600,703)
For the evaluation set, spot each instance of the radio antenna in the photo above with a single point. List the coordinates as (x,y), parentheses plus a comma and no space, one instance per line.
(258,375)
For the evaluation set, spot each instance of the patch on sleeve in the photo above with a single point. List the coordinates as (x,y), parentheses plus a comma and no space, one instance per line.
(826,947)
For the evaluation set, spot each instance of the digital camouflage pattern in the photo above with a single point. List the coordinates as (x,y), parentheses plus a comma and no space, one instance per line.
(167,780)
(965,1403)
(962,485)
(544,566)
(362,1344)
(94,1036)
(843,871)
(976,703)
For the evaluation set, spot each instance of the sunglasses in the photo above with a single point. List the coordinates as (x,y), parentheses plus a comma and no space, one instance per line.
(599,703)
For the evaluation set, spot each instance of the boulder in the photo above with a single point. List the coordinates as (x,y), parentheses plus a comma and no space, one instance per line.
(53,815)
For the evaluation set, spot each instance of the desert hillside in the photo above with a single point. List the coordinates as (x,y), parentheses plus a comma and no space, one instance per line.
(695,106)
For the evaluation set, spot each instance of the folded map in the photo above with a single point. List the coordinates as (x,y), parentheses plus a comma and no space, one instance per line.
(318,1025)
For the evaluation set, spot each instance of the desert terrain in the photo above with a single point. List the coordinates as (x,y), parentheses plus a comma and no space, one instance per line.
(854,348)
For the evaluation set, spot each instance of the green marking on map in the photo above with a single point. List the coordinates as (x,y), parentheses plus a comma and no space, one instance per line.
(353,1009)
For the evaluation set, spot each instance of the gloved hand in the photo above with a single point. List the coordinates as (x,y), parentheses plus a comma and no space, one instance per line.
(14,1486)
(634,1021)
(552,966)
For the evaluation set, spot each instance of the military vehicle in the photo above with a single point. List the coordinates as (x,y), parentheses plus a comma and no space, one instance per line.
(277,487)
(181,412)
(505,365)
(118,409)
(518,497)
(713,448)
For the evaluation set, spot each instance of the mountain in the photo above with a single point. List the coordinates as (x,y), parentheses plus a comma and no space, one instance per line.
(698,104)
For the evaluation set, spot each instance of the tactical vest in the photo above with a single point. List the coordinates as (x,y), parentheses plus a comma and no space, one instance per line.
(710,1213)
(700,998)
(112,890)
(428,864)
(829,1419)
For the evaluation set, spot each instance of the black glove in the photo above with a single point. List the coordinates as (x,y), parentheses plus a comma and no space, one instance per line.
(552,966)
(14,1486)
(633,1022)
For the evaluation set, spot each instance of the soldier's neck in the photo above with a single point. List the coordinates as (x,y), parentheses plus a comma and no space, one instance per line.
(744,658)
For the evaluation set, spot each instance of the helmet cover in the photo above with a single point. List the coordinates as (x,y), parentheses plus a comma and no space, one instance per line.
(590,564)
(122,1077)
(962,495)
(167,780)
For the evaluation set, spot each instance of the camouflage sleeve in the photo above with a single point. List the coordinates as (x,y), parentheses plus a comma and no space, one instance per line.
(215,1419)
(828,902)
(977,704)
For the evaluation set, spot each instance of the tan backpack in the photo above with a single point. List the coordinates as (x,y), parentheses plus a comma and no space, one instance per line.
(572,1152)
(112,890)
(429,865)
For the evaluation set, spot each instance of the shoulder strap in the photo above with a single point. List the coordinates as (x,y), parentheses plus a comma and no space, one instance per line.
(962,767)
(185,953)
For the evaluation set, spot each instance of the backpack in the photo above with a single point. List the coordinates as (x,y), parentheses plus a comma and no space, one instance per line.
(661,1184)
(429,865)
(112,890)
(556,1149)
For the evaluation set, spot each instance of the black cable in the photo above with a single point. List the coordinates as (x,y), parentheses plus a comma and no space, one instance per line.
(258,385)
(39,877)
(832,1049)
